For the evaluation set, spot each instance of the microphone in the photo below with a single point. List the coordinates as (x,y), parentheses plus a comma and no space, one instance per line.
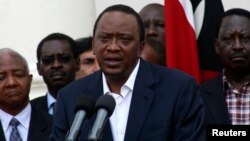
(105,106)
(84,109)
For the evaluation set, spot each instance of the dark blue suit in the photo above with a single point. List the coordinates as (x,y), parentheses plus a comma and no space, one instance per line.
(214,101)
(164,107)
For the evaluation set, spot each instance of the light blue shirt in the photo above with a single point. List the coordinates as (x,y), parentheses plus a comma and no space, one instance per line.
(51,100)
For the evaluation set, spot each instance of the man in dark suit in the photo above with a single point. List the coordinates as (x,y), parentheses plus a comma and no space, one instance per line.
(15,82)
(226,97)
(57,64)
(152,103)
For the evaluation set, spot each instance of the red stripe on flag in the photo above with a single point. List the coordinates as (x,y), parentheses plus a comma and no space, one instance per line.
(181,46)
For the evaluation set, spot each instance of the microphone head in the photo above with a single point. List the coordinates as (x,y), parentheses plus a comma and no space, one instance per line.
(106,102)
(87,104)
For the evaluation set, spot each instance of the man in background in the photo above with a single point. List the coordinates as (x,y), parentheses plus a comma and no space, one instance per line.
(19,120)
(152,16)
(57,64)
(88,62)
(227,97)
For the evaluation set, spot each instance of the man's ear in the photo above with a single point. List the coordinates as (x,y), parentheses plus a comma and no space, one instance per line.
(77,61)
(140,49)
(93,46)
(38,67)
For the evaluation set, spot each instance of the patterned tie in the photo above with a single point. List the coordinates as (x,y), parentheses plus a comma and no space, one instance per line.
(15,135)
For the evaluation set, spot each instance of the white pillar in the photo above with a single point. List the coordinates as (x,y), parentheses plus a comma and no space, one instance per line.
(23,24)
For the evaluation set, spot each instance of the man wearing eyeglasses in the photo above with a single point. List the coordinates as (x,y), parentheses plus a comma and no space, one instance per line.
(57,64)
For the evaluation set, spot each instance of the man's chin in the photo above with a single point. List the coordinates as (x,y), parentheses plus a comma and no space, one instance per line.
(59,85)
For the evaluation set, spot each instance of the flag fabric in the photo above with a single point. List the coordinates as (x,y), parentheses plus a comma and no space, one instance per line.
(207,14)
(181,44)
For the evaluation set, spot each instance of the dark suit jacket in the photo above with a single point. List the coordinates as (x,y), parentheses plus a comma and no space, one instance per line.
(214,101)
(164,107)
(2,137)
(40,103)
(40,126)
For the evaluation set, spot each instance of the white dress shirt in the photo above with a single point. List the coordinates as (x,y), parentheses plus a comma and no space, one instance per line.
(118,120)
(23,117)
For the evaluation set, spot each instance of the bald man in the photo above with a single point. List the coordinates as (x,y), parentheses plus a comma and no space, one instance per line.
(15,82)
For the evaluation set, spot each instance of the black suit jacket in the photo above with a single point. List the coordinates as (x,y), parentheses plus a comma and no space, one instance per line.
(40,103)
(214,101)
(164,107)
(2,137)
(40,126)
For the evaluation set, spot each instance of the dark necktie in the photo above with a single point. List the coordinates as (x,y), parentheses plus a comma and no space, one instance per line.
(53,107)
(14,135)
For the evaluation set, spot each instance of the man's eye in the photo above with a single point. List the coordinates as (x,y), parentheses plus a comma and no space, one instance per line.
(146,25)
(2,77)
(160,24)
(64,59)
(47,61)
(20,74)
(124,38)
(246,39)
(103,37)
(88,61)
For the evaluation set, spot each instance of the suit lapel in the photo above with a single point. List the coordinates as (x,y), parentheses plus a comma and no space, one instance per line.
(2,136)
(215,100)
(96,90)
(142,98)
(39,127)
(107,133)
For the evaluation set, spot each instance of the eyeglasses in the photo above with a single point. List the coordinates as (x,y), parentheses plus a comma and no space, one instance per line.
(62,58)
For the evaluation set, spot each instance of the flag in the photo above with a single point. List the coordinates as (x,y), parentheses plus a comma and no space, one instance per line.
(181,45)
(207,14)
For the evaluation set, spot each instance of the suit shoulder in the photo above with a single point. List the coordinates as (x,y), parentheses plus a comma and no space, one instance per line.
(38,100)
(41,115)
(81,85)
(217,81)
(40,125)
(171,73)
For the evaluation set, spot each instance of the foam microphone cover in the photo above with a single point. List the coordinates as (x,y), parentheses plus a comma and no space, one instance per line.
(106,102)
(87,104)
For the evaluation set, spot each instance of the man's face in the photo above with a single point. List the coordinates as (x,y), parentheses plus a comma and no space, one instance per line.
(57,65)
(233,44)
(116,43)
(88,64)
(15,82)
(153,19)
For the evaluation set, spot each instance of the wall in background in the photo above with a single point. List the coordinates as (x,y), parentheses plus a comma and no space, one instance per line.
(23,23)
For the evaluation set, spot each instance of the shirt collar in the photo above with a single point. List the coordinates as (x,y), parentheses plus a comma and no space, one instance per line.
(23,117)
(50,99)
(129,83)
(227,85)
